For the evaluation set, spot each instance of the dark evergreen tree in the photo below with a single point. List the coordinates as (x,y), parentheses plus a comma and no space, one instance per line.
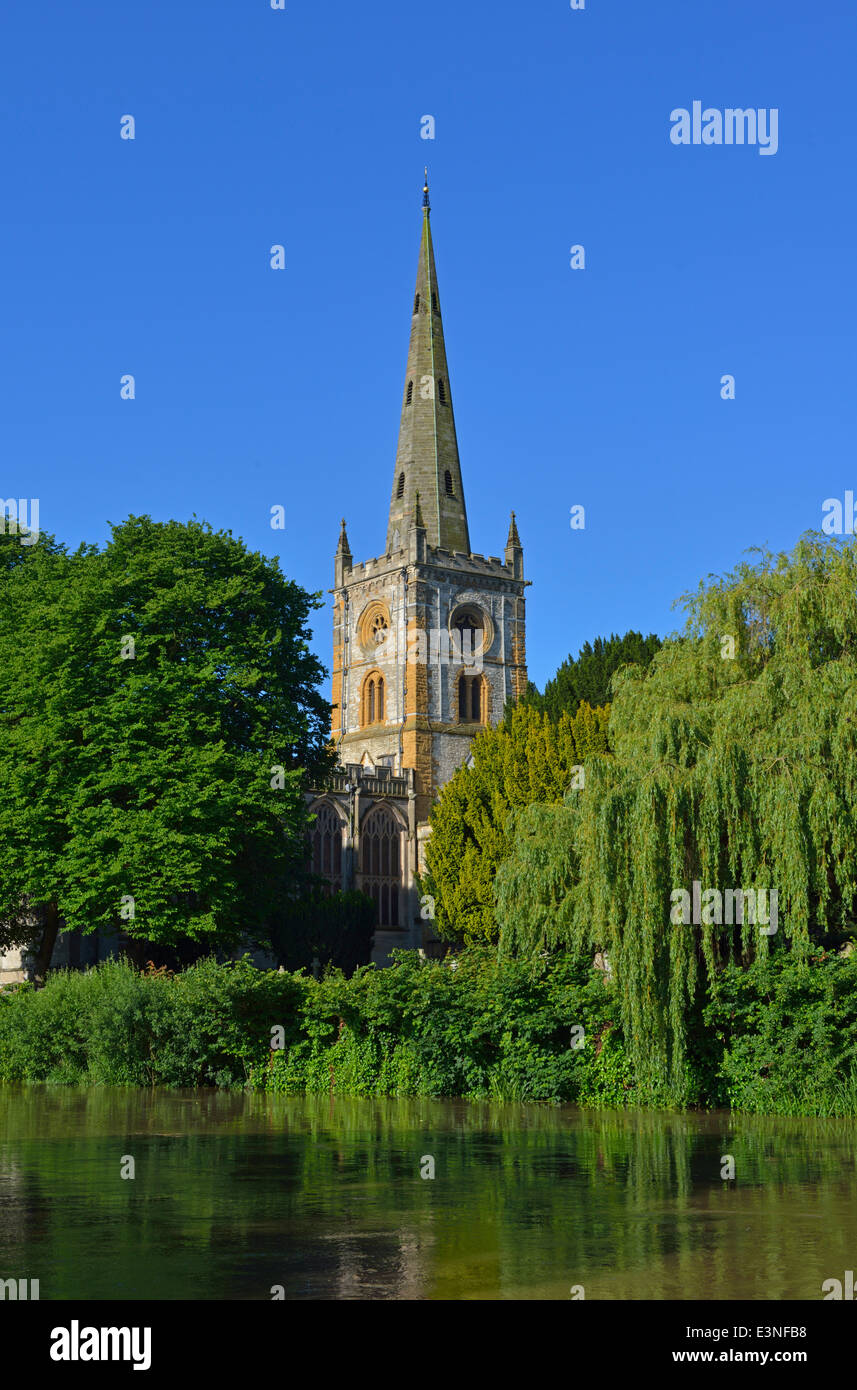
(587,677)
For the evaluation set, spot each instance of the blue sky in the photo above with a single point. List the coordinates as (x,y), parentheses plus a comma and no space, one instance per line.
(598,387)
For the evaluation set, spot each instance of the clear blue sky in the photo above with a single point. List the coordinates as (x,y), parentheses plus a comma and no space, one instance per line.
(599,387)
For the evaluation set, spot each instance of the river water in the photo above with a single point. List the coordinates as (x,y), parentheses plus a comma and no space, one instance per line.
(236,1195)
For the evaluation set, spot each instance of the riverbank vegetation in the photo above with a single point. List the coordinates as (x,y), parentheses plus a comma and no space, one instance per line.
(779,1038)
(730,773)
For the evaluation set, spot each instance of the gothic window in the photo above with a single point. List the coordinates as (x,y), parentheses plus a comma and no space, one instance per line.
(326,846)
(380,864)
(472,700)
(441,392)
(434,302)
(373,699)
(410,395)
(417,305)
(378,629)
(448,483)
(470,630)
(400,490)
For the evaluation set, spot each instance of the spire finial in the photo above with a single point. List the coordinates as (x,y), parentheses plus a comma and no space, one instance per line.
(426,203)
(343,547)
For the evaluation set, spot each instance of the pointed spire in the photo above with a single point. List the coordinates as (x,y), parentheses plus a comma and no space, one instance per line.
(342,562)
(343,548)
(514,550)
(427,455)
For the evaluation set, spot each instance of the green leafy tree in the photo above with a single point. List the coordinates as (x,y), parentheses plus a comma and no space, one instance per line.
(158,718)
(528,758)
(587,677)
(735,766)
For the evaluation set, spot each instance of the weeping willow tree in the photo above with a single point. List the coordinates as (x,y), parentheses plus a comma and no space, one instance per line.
(733,767)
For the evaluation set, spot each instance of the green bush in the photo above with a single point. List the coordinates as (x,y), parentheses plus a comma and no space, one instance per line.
(474,1028)
(777,1038)
(114,1026)
(787,1035)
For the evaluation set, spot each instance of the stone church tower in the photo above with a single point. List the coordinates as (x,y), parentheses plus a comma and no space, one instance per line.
(428,644)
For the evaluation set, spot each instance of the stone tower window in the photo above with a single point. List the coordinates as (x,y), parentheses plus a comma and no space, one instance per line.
(400,490)
(470,628)
(441,391)
(417,305)
(410,393)
(447,479)
(472,700)
(373,699)
(434,302)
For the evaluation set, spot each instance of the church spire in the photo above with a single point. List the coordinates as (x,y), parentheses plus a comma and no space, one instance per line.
(427,457)
(342,562)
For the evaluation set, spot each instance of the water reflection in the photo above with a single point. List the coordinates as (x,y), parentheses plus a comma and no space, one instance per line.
(235,1194)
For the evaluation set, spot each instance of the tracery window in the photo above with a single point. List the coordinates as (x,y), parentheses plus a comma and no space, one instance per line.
(326,846)
(380,864)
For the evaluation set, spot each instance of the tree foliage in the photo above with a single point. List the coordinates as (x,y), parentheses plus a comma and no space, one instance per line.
(528,758)
(148,692)
(734,765)
(586,678)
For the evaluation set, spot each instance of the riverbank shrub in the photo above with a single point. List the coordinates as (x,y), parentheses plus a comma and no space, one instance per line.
(474,1028)
(786,1035)
(777,1038)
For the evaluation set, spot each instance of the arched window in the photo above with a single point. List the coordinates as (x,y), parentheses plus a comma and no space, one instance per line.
(441,392)
(469,629)
(400,490)
(326,846)
(447,478)
(380,864)
(417,305)
(472,700)
(410,393)
(434,302)
(373,699)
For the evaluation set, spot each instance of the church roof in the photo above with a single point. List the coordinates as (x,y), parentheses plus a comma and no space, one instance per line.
(427,456)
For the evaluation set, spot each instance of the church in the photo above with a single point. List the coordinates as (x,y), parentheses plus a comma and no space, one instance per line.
(428,648)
